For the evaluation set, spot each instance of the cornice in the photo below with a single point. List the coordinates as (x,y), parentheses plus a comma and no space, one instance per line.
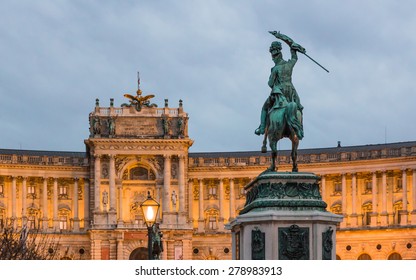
(96,141)
(44,167)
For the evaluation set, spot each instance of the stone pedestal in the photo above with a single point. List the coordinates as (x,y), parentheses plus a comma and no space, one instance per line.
(284,218)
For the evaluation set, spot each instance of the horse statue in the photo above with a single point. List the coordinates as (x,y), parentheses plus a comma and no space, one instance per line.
(284,119)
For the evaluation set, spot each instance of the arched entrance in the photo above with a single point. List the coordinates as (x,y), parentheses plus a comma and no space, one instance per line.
(139,254)
(364,257)
(395,256)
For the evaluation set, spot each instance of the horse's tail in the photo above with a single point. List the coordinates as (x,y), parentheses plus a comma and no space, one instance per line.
(293,121)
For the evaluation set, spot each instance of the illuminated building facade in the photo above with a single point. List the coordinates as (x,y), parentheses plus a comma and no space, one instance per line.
(91,199)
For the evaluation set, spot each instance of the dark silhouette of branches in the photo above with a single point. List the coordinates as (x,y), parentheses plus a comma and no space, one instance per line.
(27,244)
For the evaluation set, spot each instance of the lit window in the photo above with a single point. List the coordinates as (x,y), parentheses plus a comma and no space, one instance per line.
(63,224)
(211,219)
(31,189)
(212,192)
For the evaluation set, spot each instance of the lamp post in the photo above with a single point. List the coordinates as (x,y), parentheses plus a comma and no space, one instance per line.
(150,208)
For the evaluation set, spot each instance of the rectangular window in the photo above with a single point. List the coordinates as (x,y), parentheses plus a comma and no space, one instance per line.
(63,224)
(212,223)
(31,189)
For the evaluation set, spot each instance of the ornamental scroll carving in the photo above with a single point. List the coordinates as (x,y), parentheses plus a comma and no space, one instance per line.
(280,190)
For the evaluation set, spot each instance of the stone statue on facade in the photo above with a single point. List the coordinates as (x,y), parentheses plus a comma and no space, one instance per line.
(111,126)
(166,125)
(105,200)
(96,125)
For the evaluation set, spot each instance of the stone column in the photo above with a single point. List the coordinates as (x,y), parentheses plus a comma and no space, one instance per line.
(374,213)
(14,201)
(344,193)
(191,199)
(323,187)
(166,183)
(221,204)
(354,216)
(120,203)
(181,183)
(97,182)
(55,204)
(413,221)
(45,204)
(383,215)
(24,200)
(201,226)
(120,249)
(86,203)
(344,200)
(112,183)
(403,213)
(232,200)
(75,205)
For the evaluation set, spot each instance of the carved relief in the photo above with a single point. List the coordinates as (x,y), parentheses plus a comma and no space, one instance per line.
(157,163)
(104,171)
(294,243)
(327,244)
(120,162)
(196,192)
(136,199)
(174,170)
(258,241)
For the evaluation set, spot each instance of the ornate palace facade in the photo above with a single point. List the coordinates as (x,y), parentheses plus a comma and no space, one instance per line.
(91,200)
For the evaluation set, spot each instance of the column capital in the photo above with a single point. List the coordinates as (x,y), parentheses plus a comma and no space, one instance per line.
(167,156)
(98,156)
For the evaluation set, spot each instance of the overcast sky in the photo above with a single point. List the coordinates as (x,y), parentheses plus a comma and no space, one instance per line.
(57,57)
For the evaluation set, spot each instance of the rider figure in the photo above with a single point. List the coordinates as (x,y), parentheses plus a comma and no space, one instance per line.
(280,80)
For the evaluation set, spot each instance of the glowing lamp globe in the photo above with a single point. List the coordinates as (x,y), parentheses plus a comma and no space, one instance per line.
(150,208)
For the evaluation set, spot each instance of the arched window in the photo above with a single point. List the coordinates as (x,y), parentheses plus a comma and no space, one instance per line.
(394,256)
(139,173)
(364,257)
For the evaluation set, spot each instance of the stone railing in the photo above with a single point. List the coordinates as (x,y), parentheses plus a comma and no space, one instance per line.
(259,159)
(43,160)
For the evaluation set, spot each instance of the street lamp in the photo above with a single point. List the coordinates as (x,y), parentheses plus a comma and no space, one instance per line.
(150,208)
